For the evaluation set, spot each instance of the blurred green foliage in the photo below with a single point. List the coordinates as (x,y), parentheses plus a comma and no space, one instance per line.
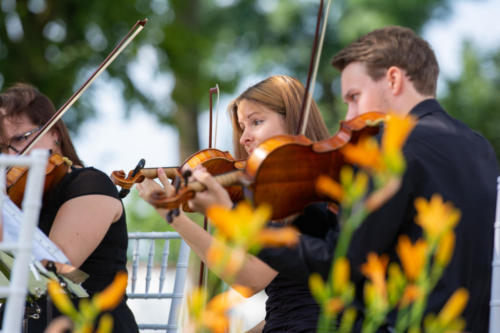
(56,44)
(474,96)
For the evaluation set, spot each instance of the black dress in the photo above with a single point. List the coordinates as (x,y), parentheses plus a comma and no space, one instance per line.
(107,259)
(290,306)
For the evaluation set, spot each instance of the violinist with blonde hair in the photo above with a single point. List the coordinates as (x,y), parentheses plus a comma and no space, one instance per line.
(269,108)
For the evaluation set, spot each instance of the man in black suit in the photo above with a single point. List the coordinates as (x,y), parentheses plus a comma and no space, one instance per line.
(392,69)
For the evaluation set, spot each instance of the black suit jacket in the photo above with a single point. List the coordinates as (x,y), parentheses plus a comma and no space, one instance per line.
(443,156)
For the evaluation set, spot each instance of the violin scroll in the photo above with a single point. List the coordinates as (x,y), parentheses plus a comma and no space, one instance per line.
(57,167)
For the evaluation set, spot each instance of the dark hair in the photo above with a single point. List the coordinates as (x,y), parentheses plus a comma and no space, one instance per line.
(25,100)
(393,46)
(282,94)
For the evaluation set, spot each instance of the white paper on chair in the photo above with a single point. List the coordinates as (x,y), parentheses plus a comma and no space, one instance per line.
(43,247)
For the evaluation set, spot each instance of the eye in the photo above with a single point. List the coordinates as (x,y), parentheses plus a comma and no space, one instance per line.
(21,138)
(257,122)
(354,97)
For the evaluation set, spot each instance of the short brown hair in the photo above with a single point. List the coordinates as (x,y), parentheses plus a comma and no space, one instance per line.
(25,100)
(282,94)
(393,46)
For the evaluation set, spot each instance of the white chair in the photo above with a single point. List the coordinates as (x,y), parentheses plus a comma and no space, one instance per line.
(152,282)
(15,292)
(495,272)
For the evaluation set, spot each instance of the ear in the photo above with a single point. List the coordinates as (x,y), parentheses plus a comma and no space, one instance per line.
(54,133)
(395,78)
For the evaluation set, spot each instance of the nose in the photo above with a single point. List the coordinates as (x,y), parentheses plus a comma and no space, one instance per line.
(245,138)
(351,113)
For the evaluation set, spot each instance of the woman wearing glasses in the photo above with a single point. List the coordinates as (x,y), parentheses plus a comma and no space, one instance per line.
(82,214)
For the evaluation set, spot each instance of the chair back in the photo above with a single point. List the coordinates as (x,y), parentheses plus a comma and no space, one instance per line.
(495,272)
(152,279)
(16,290)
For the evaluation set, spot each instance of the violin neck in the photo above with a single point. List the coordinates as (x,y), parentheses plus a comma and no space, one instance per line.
(152,173)
(226,179)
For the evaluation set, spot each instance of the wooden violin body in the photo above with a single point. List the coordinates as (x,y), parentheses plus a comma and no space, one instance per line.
(282,171)
(215,161)
(57,167)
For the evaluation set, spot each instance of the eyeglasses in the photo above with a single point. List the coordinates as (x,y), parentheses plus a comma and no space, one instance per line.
(18,142)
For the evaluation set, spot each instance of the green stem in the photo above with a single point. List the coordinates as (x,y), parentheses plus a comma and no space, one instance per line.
(352,223)
(325,322)
(402,320)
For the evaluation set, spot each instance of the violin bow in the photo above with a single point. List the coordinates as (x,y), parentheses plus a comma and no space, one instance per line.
(138,26)
(216,112)
(211,91)
(316,52)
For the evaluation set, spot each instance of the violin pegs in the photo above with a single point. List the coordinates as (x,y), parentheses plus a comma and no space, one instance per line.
(186,174)
(139,167)
(177,184)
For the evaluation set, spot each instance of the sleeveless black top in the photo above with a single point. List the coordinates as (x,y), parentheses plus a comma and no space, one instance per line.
(290,306)
(108,258)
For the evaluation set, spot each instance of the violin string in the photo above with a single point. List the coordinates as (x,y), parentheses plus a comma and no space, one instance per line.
(315,71)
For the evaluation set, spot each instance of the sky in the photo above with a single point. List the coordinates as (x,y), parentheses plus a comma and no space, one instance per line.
(111,142)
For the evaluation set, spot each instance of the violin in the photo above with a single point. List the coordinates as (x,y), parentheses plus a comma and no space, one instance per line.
(57,167)
(215,161)
(282,171)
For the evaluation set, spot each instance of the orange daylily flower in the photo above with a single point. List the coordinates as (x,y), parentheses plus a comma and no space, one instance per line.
(396,132)
(196,302)
(60,299)
(366,153)
(435,216)
(413,257)
(105,323)
(334,306)
(454,307)
(374,269)
(225,259)
(327,186)
(341,274)
(110,297)
(240,224)
(317,287)
(411,293)
(286,236)
(213,316)
(445,248)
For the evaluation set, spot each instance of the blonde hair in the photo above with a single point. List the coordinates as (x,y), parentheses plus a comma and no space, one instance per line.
(282,94)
